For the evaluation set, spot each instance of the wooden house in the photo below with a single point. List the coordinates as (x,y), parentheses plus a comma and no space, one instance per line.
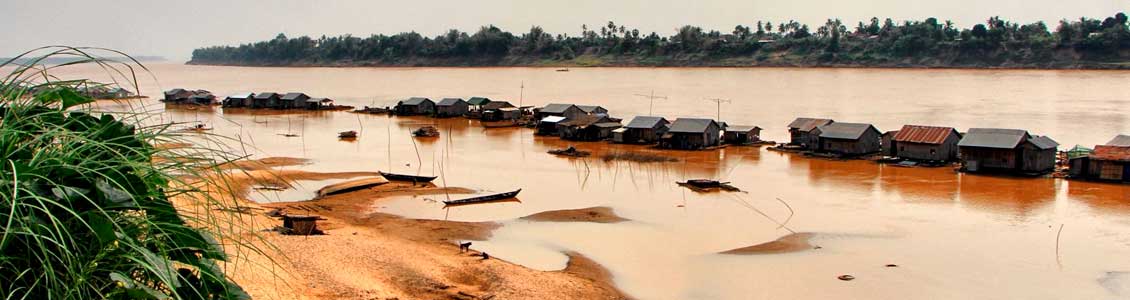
(476,103)
(1107,163)
(887,143)
(691,134)
(451,107)
(849,139)
(293,100)
(499,111)
(238,100)
(177,95)
(265,100)
(643,130)
(319,103)
(741,134)
(804,132)
(415,106)
(926,143)
(587,128)
(1006,150)
(593,110)
(568,111)
(548,125)
(201,98)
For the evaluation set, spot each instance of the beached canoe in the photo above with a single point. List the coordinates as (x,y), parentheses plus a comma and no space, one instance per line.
(402,177)
(705,185)
(349,186)
(484,199)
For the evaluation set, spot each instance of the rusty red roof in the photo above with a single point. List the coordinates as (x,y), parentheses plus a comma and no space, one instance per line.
(923,134)
(1116,153)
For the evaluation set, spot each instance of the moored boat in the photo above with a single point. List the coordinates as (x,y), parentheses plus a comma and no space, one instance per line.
(484,199)
(402,177)
(347,134)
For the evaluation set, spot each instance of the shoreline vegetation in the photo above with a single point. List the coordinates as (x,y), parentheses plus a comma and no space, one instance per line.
(1084,43)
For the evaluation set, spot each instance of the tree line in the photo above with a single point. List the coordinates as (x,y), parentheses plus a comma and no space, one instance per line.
(996,42)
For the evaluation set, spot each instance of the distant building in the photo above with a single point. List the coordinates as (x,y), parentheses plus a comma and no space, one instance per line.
(568,111)
(451,107)
(642,130)
(548,125)
(415,106)
(239,100)
(887,143)
(499,111)
(692,134)
(1006,150)
(1107,162)
(849,139)
(265,100)
(202,98)
(926,143)
(593,109)
(805,132)
(478,102)
(741,134)
(319,103)
(177,95)
(587,128)
(293,100)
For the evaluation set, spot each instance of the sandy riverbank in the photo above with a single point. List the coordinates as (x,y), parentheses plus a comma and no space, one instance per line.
(790,243)
(592,214)
(370,255)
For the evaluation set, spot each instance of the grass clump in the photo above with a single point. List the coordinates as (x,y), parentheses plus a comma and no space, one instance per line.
(637,157)
(85,199)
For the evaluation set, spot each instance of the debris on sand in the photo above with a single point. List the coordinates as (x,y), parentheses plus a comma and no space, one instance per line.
(638,157)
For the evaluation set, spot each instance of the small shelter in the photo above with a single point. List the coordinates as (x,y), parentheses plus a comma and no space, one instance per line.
(587,128)
(478,102)
(265,100)
(1107,162)
(238,100)
(1006,150)
(548,125)
(926,143)
(805,132)
(643,130)
(301,224)
(293,100)
(177,95)
(849,138)
(887,143)
(202,98)
(499,111)
(568,111)
(319,103)
(415,106)
(691,134)
(451,107)
(741,134)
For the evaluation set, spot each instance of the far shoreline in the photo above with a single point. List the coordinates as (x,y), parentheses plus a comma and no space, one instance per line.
(1111,67)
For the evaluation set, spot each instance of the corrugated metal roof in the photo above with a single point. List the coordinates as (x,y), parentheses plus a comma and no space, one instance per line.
(1108,152)
(175,91)
(807,124)
(993,138)
(449,101)
(555,108)
(553,119)
(242,95)
(846,131)
(1043,142)
(742,128)
(646,122)
(585,120)
(293,96)
(478,100)
(934,135)
(415,101)
(691,125)
(1120,140)
(608,125)
(497,105)
(588,109)
(267,95)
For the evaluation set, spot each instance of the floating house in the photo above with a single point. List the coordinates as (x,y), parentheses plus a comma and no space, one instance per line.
(642,130)
(451,107)
(849,139)
(1106,162)
(238,100)
(177,95)
(319,103)
(593,109)
(548,125)
(741,134)
(202,98)
(691,134)
(587,128)
(415,106)
(925,143)
(1006,150)
(292,100)
(887,143)
(568,111)
(499,111)
(265,100)
(477,103)
(805,132)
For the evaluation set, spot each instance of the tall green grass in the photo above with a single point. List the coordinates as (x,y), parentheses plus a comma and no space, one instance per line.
(85,195)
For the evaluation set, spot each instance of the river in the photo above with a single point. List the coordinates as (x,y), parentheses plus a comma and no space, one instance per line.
(951,235)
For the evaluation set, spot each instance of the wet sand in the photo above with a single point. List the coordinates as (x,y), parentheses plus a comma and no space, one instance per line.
(371,255)
(592,214)
(794,242)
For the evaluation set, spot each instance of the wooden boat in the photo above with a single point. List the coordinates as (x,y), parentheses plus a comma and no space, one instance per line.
(484,199)
(572,152)
(349,186)
(426,131)
(347,134)
(402,177)
(563,70)
(705,185)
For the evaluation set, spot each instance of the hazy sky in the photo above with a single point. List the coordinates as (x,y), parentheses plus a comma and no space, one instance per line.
(173,28)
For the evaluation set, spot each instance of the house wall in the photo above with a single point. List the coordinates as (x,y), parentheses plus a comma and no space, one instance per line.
(686,141)
(1037,160)
(868,143)
(946,151)
(454,110)
(1104,170)
(975,159)
(810,139)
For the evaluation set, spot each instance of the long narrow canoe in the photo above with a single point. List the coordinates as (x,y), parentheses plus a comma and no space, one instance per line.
(349,186)
(483,199)
(402,177)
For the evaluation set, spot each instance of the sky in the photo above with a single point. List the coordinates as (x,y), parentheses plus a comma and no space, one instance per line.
(173,28)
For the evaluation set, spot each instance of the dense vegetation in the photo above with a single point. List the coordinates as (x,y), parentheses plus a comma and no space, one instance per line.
(85,198)
(1088,43)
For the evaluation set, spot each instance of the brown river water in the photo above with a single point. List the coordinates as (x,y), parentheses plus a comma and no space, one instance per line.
(953,236)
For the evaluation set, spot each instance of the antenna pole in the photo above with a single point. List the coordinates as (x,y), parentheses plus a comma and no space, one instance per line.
(651,100)
(719,102)
(521,94)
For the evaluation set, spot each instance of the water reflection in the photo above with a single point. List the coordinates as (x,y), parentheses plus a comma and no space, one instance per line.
(1017,196)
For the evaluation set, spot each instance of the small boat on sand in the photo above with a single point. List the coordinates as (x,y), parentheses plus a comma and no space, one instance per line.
(402,177)
(349,186)
(563,70)
(347,134)
(426,131)
(706,185)
(484,199)
(571,151)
